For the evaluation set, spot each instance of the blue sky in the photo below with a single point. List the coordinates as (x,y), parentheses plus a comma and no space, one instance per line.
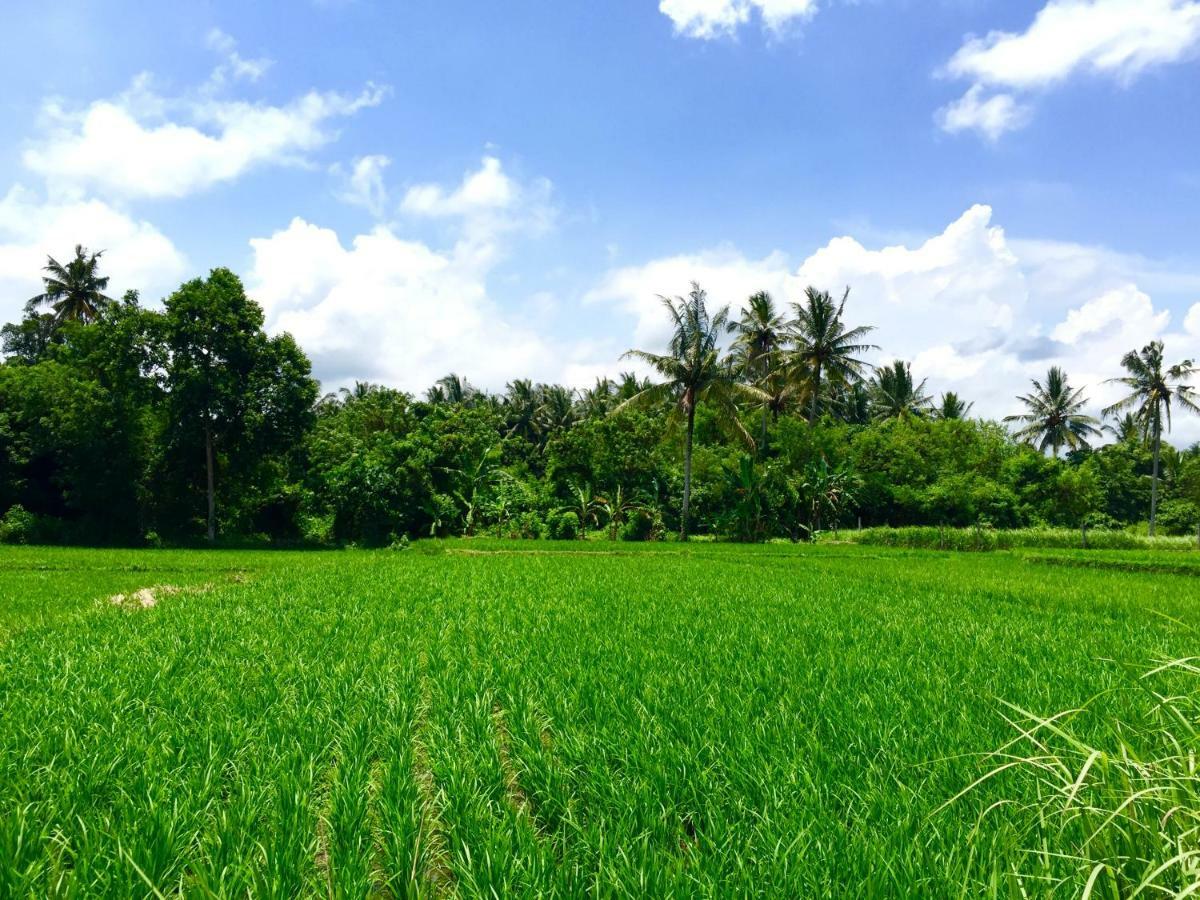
(502,188)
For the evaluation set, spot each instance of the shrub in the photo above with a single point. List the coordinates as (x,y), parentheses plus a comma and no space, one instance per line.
(1178,517)
(642,525)
(17,526)
(562,526)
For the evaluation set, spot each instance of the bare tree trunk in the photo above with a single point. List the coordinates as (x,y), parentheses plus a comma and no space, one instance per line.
(1154,475)
(212,498)
(687,473)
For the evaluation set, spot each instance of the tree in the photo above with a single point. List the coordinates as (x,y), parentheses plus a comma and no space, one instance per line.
(1151,390)
(453,390)
(894,395)
(586,507)
(951,406)
(693,373)
(74,292)
(1053,418)
(1125,429)
(825,350)
(230,387)
(759,334)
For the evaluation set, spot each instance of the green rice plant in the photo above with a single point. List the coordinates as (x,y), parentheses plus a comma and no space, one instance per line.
(1114,814)
(982,539)
(481,718)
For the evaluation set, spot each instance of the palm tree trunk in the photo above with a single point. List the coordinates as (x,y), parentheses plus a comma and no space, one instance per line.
(812,410)
(687,473)
(212,499)
(1154,474)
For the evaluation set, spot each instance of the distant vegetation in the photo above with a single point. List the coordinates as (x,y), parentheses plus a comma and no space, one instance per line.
(130,425)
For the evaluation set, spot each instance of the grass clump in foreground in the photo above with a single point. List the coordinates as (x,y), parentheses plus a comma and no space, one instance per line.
(1113,815)
(477,719)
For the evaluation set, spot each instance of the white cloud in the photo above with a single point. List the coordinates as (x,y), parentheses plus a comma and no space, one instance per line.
(398,311)
(724,273)
(708,19)
(137,255)
(974,310)
(234,67)
(1192,323)
(126,147)
(363,184)
(487,204)
(486,189)
(1125,310)
(1121,38)
(1116,38)
(990,116)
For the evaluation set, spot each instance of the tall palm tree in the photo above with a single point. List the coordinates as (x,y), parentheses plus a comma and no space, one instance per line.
(556,412)
(453,390)
(595,402)
(75,292)
(759,334)
(952,406)
(628,384)
(825,350)
(521,402)
(1151,390)
(692,371)
(894,394)
(1053,416)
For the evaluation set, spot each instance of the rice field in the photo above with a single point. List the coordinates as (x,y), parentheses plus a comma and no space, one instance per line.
(486,719)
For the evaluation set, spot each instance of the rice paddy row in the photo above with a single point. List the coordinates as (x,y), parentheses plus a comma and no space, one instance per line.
(683,721)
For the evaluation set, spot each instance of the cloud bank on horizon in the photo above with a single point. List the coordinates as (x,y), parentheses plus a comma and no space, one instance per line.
(432,280)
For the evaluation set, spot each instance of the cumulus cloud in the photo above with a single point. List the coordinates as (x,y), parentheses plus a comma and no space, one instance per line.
(990,116)
(974,310)
(485,206)
(1192,323)
(137,255)
(363,185)
(130,146)
(1120,39)
(708,19)
(388,308)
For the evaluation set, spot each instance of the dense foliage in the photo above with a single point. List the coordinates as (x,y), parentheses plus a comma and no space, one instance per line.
(125,424)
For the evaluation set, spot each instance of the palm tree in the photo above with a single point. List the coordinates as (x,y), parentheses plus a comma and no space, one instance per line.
(595,402)
(75,292)
(452,390)
(894,395)
(692,372)
(521,402)
(951,406)
(1151,390)
(760,333)
(556,411)
(825,350)
(629,384)
(1126,429)
(1053,417)
(777,394)
(586,506)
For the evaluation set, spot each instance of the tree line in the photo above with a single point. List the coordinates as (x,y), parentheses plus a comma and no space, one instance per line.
(125,424)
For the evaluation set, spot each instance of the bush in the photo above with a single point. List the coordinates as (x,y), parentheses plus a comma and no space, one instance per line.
(562,526)
(1178,517)
(17,526)
(642,525)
